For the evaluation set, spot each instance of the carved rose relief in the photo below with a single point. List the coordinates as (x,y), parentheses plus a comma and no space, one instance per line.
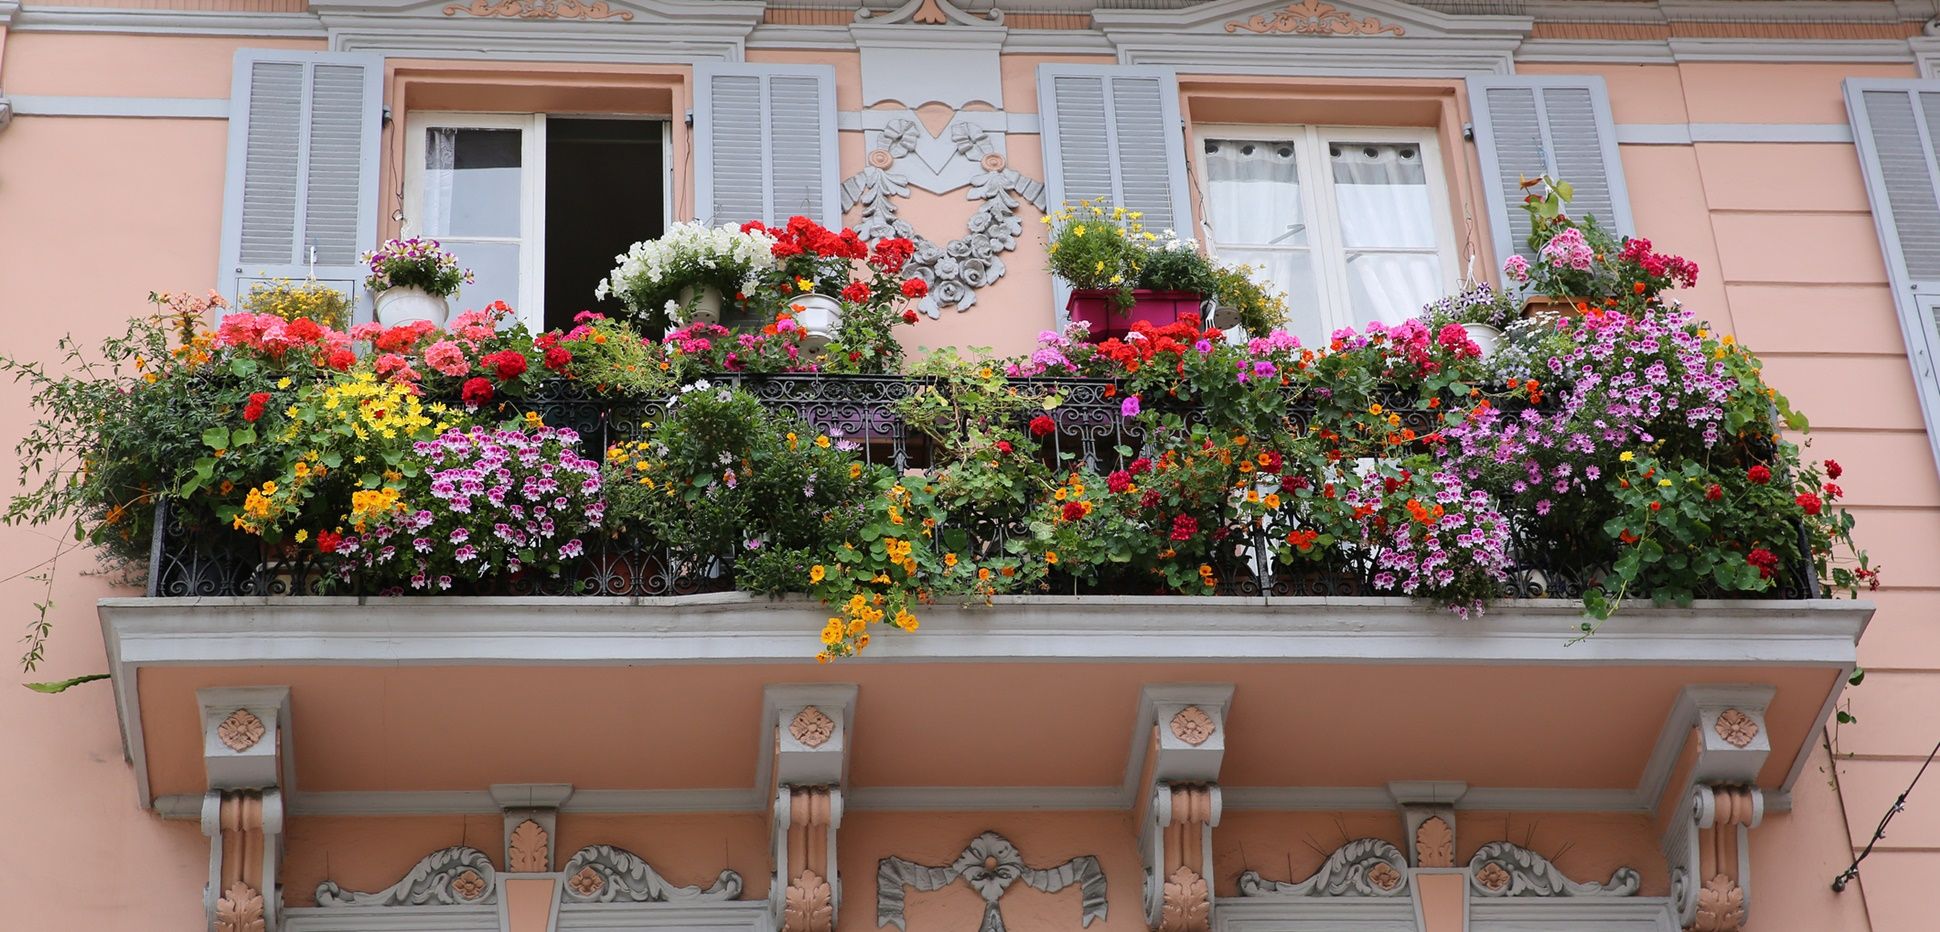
(468,885)
(1186,906)
(527,852)
(1492,877)
(807,905)
(1384,876)
(1736,728)
(239,910)
(1434,843)
(240,731)
(1193,726)
(812,727)
(587,882)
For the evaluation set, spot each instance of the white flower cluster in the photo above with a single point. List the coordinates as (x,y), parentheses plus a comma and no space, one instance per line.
(690,253)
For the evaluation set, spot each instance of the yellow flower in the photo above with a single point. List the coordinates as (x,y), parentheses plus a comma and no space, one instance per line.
(302,535)
(1101,265)
(1078,229)
(817,573)
(822,441)
(1666,483)
(855,470)
(283,382)
(804,285)
(1272,500)
(950,560)
(1626,456)
(857,626)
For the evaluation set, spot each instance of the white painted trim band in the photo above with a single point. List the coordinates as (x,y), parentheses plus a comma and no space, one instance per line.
(159,108)
(856,121)
(170,22)
(1684,134)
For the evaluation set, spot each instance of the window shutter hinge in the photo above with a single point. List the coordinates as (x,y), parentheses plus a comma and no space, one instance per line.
(387,114)
(1468,132)
(690,118)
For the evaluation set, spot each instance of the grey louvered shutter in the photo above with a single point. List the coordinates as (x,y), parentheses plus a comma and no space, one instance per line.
(764,143)
(1557,125)
(1113,131)
(1896,125)
(301,191)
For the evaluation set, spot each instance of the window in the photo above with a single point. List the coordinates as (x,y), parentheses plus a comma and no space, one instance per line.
(536,206)
(1352,223)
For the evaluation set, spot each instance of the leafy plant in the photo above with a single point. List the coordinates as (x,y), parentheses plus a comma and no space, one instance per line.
(414,263)
(309,300)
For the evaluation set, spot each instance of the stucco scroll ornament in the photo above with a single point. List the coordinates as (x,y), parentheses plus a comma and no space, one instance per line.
(540,9)
(928,13)
(239,910)
(1313,18)
(1434,843)
(605,874)
(454,876)
(956,269)
(1362,867)
(989,865)
(1502,868)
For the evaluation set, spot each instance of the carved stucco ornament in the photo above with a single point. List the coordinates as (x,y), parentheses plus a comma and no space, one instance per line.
(1720,906)
(904,154)
(808,905)
(1362,867)
(1434,843)
(1736,728)
(1193,726)
(605,874)
(454,876)
(1186,905)
(528,852)
(812,727)
(240,731)
(990,864)
(928,13)
(1313,18)
(1502,868)
(540,9)
(240,909)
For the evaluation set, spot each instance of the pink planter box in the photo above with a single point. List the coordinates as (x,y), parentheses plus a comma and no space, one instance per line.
(1157,308)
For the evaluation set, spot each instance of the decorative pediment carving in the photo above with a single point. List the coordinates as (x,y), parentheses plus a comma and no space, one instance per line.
(1502,868)
(605,874)
(1362,867)
(990,865)
(928,13)
(1313,18)
(454,876)
(539,9)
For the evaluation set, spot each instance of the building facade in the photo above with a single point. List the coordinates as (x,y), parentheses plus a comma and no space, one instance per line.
(1243,763)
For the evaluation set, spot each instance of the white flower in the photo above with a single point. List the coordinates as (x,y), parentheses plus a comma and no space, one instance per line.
(685,255)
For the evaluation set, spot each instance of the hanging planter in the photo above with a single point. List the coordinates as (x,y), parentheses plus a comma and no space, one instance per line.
(1096,308)
(701,303)
(819,316)
(405,304)
(1486,338)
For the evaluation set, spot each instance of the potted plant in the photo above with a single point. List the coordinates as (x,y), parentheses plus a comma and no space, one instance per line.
(1240,300)
(842,292)
(413,280)
(309,300)
(1580,264)
(686,275)
(1120,272)
(1480,311)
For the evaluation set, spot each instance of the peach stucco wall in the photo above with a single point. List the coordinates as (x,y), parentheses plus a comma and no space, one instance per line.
(101,211)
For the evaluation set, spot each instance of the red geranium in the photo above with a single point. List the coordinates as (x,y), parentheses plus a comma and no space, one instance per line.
(1714,492)
(893,253)
(1004,447)
(1042,425)
(1833,470)
(328,541)
(558,357)
(1271,462)
(1075,510)
(915,287)
(855,293)
(1810,503)
(253,411)
(476,391)
(1118,481)
(1833,491)
(909,317)
(1765,560)
(1139,467)
(505,363)
(1183,527)
(340,359)
(1759,475)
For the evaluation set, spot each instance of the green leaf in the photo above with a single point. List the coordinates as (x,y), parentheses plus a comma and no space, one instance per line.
(1564,190)
(243,435)
(1858,676)
(216,437)
(242,365)
(61,686)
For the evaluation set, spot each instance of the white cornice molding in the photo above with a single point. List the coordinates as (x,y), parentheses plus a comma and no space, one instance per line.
(1200,39)
(1926,53)
(824,38)
(1596,51)
(1791,50)
(169,22)
(1781,11)
(8,9)
(156,108)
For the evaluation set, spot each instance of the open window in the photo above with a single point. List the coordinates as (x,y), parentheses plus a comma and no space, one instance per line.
(536,205)
(1352,223)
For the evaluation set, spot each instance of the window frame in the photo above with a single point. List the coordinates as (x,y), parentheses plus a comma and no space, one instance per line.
(1322,208)
(529,303)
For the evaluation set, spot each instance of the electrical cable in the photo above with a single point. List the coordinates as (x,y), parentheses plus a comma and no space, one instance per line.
(1839,882)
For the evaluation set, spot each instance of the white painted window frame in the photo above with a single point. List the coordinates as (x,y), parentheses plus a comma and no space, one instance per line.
(1403,913)
(1322,208)
(529,303)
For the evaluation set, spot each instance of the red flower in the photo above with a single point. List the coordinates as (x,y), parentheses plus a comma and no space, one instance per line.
(253,411)
(558,357)
(1810,503)
(1764,560)
(328,542)
(303,330)
(1139,467)
(1833,491)
(915,287)
(1304,540)
(893,253)
(1150,499)
(340,359)
(1714,492)
(1270,462)
(476,391)
(1074,510)
(1833,469)
(909,317)
(1004,447)
(1183,527)
(1042,424)
(1118,481)
(1656,506)
(856,293)
(1759,475)
(506,363)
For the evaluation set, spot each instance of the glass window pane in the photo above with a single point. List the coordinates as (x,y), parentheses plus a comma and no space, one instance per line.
(1253,193)
(471,182)
(1391,287)
(495,267)
(1382,193)
(1292,272)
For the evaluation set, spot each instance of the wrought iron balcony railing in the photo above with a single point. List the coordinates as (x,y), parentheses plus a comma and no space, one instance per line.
(189,559)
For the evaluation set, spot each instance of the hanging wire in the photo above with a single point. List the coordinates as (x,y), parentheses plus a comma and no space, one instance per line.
(1839,882)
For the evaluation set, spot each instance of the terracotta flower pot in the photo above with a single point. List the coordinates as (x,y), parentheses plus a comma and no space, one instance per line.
(1106,320)
(1568,307)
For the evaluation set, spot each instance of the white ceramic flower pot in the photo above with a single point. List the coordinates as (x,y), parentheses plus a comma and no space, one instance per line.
(1486,337)
(701,304)
(819,316)
(403,305)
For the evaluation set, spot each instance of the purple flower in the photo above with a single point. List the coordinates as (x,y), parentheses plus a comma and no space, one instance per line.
(1129,407)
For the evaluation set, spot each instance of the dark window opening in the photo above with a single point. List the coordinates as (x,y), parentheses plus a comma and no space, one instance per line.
(605,191)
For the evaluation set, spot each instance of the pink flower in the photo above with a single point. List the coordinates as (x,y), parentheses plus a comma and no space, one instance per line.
(1517,268)
(1129,407)
(1569,249)
(448,358)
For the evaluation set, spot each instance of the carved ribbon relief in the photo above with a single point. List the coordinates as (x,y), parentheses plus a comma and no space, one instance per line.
(990,865)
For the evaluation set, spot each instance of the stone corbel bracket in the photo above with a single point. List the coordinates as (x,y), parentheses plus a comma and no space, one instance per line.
(1428,819)
(531,813)
(809,730)
(243,752)
(1187,744)
(1706,837)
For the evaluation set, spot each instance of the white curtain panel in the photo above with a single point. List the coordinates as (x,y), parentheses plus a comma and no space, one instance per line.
(440,174)
(1253,201)
(1381,192)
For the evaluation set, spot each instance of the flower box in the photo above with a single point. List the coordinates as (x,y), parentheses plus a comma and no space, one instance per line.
(1106,320)
(1542,303)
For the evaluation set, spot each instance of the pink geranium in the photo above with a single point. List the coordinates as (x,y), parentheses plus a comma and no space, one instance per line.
(448,358)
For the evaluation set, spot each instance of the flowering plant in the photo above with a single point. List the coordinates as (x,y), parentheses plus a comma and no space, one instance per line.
(1256,309)
(1098,246)
(1578,259)
(866,277)
(606,354)
(414,263)
(701,349)
(309,300)
(1479,304)
(654,278)
(479,503)
(480,355)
